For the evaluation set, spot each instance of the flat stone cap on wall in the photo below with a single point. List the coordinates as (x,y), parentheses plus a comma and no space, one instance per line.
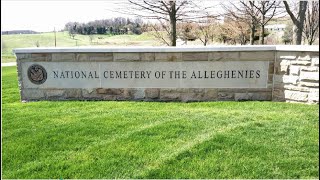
(91,49)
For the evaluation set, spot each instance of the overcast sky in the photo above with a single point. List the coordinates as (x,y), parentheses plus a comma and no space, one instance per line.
(45,15)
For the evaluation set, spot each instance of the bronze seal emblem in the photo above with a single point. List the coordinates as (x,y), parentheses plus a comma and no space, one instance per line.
(37,74)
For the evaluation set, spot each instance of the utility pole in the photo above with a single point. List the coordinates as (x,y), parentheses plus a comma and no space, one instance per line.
(55,37)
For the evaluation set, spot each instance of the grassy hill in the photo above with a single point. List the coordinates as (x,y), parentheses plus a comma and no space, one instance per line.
(154,140)
(10,42)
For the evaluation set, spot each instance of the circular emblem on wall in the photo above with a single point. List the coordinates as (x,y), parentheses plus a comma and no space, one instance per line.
(37,74)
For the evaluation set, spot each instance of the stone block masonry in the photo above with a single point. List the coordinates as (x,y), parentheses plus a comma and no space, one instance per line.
(187,74)
(296,76)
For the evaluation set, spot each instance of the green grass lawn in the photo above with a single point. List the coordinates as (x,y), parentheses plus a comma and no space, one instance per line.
(100,139)
(10,42)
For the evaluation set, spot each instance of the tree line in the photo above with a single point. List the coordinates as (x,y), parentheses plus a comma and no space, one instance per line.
(113,26)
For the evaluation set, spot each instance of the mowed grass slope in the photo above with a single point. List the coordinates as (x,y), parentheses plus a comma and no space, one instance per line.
(82,139)
(63,39)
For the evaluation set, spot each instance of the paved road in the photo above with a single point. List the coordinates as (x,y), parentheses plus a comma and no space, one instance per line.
(8,64)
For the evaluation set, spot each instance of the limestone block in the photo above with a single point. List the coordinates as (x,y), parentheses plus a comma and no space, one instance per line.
(315,61)
(225,96)
(109,91)
(147,56)
(288,57)
(138,94)
(312,76)
(91,94)
(296,95)
(169,96)
(41,57)
(257,56)
(109,97)
(54,93)
(296,88)
(126,95)
(271,68)
(282,66)
(304,57)
(172,94)
(314,95)
(277,68)
(232,90)
(152,93)
(210,94)
(270,78)
(278,85)
(309,84)
(82,57)
(98,57)
(262,96)
(101,91)
(278,95)
(23,56)
(294,70)
(305,63)
(174,90)
(285,62)
(223,56)
(168,56)
(126,56)
(193,90)
(174,57)
(243,96)
(201,56)
(290,79)
(32,94)
(191,97)
(73,93)
(310,69)
(259,96)
(284,69)
(63,57)
(286,79)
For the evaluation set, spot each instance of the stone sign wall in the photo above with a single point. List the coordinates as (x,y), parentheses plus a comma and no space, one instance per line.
(203,74)
(276,73)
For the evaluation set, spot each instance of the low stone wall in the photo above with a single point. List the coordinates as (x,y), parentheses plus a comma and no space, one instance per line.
(296,77)
(292,73)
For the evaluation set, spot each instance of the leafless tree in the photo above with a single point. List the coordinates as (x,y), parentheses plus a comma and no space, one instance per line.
(37,44)
(91,37)
(298,20)
(167,12)
(206,30)
(256,13)
(71,28)
(237,31)
(311,28)
(244,11)
(267,10)
(160,31)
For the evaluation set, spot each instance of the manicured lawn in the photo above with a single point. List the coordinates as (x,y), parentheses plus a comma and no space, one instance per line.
(73,140)
(10,42)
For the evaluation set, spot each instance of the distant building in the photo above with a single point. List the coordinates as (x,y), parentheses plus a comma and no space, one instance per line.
(275,27)
(276,31)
